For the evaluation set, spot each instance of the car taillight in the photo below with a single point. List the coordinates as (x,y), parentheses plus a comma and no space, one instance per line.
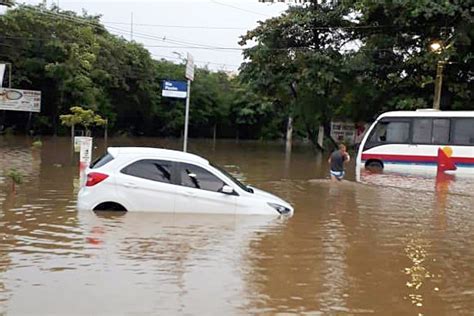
(95,177)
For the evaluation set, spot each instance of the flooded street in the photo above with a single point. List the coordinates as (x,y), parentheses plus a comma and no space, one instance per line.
(391,245)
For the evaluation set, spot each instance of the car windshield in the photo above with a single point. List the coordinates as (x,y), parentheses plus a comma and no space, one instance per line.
(234,179)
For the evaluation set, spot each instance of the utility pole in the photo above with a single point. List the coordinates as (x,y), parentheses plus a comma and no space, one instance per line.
(190,76)
(438,84)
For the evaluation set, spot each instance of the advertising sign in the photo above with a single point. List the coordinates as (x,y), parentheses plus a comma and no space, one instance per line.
(20,100)
(175,89)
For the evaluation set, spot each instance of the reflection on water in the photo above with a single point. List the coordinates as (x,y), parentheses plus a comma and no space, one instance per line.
(396,245)
(446,183)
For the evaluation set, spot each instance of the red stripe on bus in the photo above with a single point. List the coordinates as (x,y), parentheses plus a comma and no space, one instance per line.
(412,158)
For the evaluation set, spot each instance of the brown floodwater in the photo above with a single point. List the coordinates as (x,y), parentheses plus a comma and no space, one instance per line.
(392,245)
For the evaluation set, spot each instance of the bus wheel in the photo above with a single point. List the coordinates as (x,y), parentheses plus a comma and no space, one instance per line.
(374,166)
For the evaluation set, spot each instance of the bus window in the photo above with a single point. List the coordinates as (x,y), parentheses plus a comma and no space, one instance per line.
(379,134)
(398,132)
(463,131)
(391,133)
(440,131)
(422,130)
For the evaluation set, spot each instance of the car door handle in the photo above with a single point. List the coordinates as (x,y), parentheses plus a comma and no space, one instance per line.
(130,185)
(189,193)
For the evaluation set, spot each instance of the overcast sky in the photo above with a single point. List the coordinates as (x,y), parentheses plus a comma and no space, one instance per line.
(182,25)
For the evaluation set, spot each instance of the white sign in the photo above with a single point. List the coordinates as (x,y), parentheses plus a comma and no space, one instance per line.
(85,155)
(174,94)
(2,73)
(20,100)
(343,132)
(78,142)
(190,67)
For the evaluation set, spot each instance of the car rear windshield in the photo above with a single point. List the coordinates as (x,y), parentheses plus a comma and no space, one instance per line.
(101,161)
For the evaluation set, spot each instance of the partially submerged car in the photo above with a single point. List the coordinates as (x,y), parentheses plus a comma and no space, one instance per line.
(161,180)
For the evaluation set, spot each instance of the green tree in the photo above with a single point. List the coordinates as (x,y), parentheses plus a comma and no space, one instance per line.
(82,117)
(297,56)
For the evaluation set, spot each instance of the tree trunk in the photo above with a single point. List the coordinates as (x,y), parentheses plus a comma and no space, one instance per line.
(327,132)
(214,132)
(289,133)
(28,124)
(106,134)
(321,137)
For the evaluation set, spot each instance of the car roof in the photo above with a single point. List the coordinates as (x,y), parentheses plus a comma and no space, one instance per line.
(427,113)
(158,152)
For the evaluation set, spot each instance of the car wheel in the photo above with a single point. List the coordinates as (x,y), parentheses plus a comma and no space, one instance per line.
(110,206)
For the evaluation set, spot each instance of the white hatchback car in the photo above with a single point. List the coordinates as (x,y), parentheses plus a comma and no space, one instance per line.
(161,180)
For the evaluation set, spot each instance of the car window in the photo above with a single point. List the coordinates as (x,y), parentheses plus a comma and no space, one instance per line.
(156,170)
(196,177)
(101,161)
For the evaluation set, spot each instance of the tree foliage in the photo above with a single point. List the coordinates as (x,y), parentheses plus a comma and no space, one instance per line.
(86,118)
(318,61)
(356,59)
(73,59)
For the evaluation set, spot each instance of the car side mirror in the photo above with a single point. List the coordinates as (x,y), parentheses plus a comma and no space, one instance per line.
(227,189)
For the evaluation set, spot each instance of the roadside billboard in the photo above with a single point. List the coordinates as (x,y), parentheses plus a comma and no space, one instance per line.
(20,100)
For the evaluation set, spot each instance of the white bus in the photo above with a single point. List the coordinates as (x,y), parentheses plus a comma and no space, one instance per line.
(409,141)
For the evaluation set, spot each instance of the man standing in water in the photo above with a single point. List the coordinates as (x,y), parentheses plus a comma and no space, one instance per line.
(336,161)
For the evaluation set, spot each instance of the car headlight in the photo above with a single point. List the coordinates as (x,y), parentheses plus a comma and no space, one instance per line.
(280,208)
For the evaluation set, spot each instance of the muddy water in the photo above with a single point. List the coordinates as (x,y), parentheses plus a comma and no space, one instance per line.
(395,245)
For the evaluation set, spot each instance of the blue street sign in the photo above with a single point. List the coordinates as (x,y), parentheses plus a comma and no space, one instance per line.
(175,89)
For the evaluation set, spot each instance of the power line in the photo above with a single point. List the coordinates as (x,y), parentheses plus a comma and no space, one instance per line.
(240,9)
(99,26)
(224,49)
(221,49)
(344,27)
(180,26)
(198,61)
(183,44)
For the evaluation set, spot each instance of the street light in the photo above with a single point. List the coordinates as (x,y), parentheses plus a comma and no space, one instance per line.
(180,56)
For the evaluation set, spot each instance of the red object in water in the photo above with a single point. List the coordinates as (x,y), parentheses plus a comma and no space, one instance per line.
(445,162)
(93,241)
(94,178)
